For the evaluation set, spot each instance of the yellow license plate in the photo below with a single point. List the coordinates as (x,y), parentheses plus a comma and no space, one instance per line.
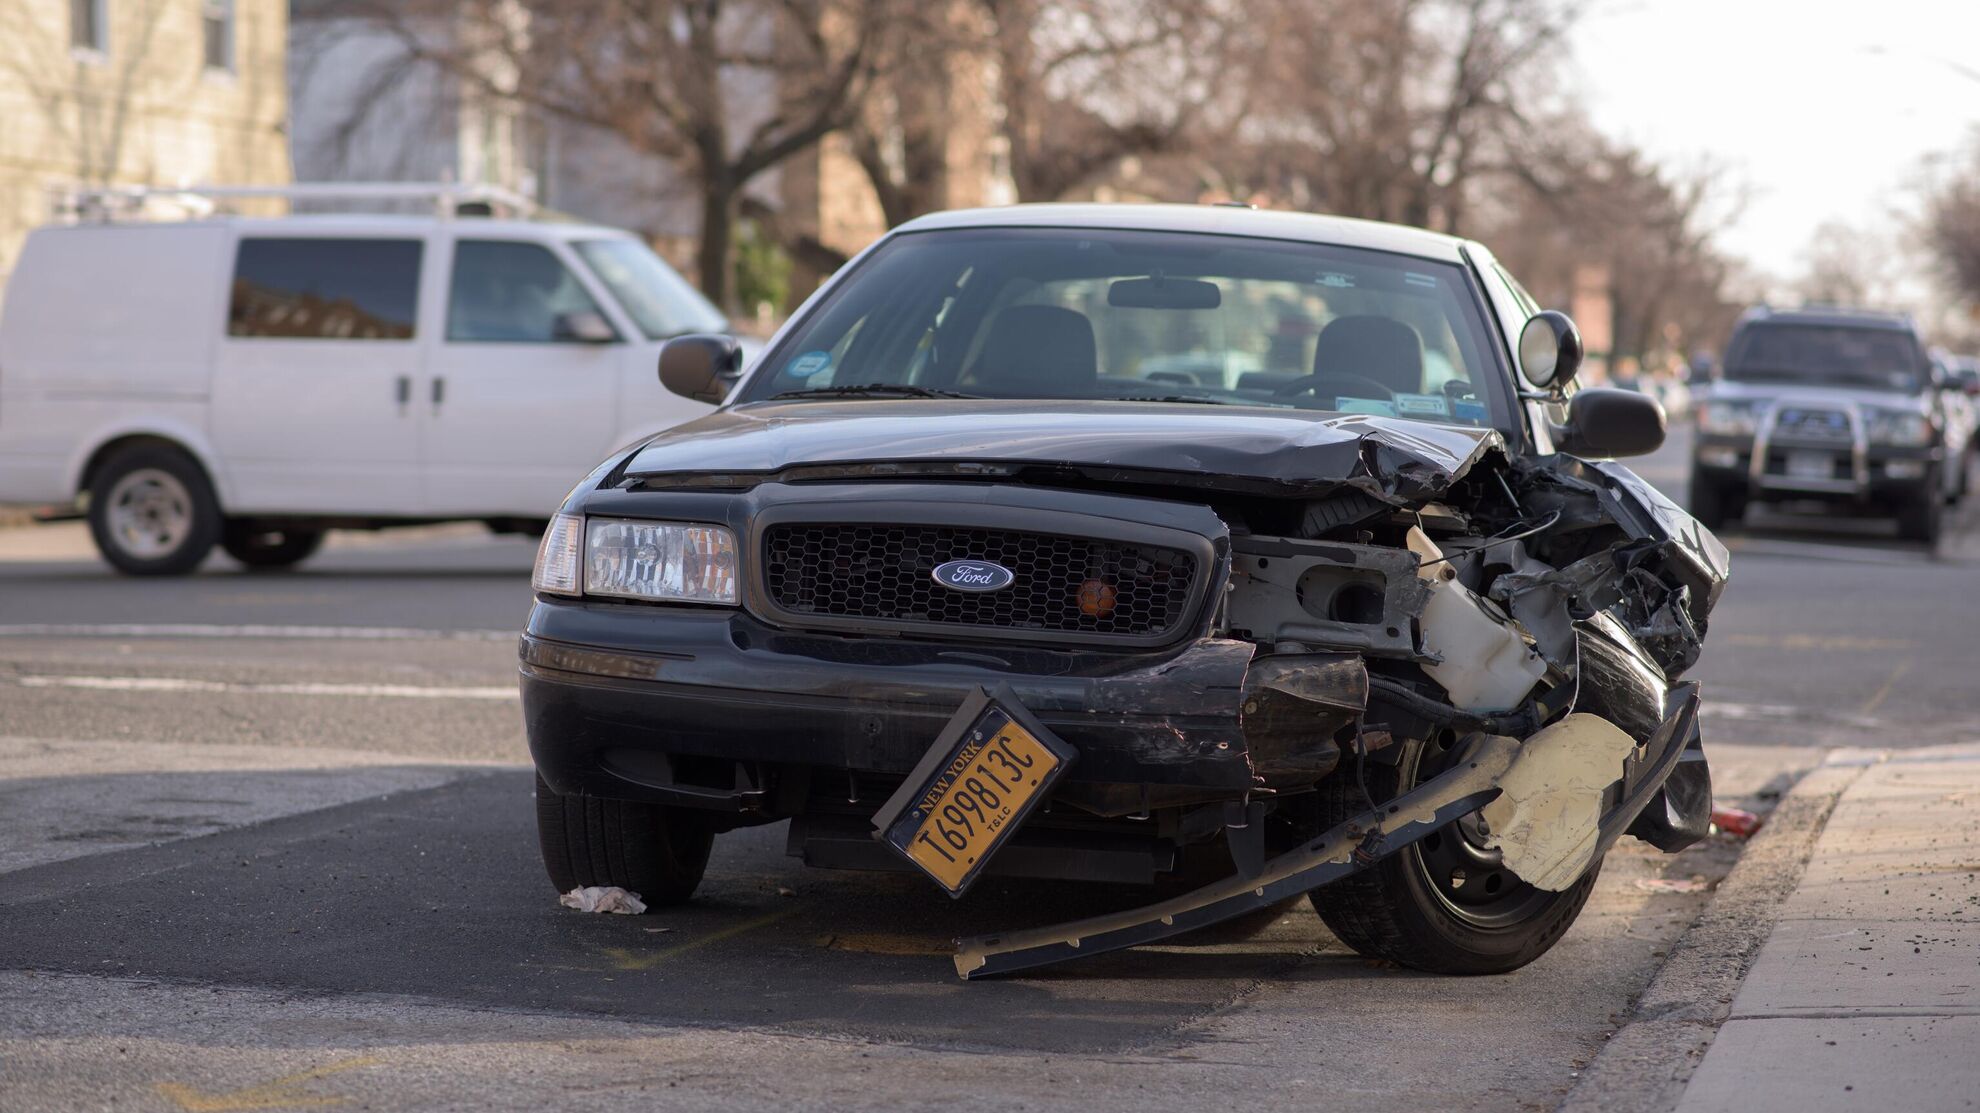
(971,793)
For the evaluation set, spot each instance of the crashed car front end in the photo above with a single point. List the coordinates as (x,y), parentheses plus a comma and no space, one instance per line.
(1228,636)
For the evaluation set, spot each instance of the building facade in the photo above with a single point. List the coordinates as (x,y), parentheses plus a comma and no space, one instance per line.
(98,93)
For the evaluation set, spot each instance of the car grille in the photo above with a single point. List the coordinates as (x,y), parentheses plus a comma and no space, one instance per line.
(882,574)
(1813,425)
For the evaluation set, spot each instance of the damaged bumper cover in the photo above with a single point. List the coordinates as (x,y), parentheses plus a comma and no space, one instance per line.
(1352,846)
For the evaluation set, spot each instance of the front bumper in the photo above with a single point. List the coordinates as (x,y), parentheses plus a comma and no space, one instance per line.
(1871,474)
(699,707)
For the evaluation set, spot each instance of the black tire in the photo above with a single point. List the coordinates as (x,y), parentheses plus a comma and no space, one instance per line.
(1394,911)
(1713,505)
(260,548)
(1923,518)
(650,849)
(152,511)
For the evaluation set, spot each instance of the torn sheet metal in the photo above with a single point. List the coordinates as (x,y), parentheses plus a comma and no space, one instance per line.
(1294,705)
(1353,846)
(1546,820)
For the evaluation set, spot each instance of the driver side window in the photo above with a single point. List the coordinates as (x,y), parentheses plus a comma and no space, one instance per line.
(504,291)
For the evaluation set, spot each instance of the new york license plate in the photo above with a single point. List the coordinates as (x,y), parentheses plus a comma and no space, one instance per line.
(991,765)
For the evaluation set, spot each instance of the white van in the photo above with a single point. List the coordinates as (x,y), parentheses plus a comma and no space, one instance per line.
(252,382)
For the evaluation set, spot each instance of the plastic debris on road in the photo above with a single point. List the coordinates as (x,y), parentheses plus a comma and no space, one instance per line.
(1673,884)
(601,898)
(1733,821)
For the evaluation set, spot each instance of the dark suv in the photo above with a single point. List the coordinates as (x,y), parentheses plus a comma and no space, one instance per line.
(1127,543)
(1839,406)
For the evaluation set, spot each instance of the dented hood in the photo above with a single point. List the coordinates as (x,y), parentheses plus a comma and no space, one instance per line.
(1265,450)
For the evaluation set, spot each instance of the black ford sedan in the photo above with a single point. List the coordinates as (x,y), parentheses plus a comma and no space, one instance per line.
(1123,543)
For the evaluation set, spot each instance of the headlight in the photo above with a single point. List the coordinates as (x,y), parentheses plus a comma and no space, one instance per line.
(1899,427)
(557,561)
(669,561)
(1729,419)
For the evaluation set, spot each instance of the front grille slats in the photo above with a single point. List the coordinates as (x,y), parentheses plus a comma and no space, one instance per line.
(880,574)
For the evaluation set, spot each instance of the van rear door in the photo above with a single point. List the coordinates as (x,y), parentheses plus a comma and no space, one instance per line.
(313,388)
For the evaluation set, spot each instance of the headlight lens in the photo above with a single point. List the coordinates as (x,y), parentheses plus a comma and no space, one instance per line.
(669,561)
(556,570)
(1900,427)
(1734,419)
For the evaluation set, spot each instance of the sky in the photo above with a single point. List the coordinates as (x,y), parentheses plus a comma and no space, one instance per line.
(1817,110)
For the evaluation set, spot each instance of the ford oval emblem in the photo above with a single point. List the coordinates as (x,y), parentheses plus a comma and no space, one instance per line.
(972,575)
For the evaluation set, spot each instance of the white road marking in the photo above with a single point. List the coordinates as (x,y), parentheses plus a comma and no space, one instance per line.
(198,630)
(182,684)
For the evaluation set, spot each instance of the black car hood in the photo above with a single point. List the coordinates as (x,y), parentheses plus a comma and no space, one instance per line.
(1240,448)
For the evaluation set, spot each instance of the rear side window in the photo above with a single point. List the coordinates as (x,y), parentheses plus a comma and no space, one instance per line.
(321,289)
(506,291)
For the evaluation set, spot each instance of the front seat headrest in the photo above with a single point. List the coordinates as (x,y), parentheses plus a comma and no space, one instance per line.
(1378,348)
(1038,351)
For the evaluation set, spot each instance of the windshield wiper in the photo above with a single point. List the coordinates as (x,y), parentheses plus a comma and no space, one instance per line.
(1174,398)
(873,390)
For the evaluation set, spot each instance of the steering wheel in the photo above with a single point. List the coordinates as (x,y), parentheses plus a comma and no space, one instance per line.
(1311,383)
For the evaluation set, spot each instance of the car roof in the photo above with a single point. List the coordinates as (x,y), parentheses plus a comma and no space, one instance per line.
(1227,220)
(1829,315)
(371,224)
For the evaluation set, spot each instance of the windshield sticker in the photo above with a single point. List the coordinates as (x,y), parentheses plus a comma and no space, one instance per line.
(1469,411)
(1428,281)
(809,365)
(1376,406)
(1422,405)
(1336,279)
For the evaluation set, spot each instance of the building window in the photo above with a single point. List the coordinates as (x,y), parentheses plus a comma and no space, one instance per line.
(217,32)
(88,26)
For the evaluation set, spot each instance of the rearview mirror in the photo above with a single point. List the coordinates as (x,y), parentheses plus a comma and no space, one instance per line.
(1604,422)
(585,327)
(702,367)
(1549,350)
(1164,293)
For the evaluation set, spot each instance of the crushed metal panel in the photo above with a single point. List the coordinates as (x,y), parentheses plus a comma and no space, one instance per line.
(1329,594)
(1294,705)
(1547,819)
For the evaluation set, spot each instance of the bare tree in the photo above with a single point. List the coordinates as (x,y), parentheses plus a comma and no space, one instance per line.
(722,90)
(1952,224)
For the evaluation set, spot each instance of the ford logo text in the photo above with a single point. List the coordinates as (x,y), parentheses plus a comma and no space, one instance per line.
(972,575)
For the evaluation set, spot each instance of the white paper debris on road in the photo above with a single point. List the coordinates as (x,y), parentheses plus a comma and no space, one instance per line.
(603,898)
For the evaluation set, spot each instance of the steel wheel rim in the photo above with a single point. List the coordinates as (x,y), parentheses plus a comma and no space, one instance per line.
(1470,882)
(150,513)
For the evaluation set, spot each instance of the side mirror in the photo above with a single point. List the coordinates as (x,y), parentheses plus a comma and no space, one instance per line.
(1604,422)
(701,367)
(585,327)
(1549,350)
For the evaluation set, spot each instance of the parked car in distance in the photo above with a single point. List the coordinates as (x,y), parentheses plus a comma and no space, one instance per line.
(252,382)
(1840,406)
(963,579)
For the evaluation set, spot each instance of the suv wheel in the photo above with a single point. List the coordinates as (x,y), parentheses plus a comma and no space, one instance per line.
(152,511)
(269,548)
(1713,504)
(1923,518)
(1445,904)
(650,849)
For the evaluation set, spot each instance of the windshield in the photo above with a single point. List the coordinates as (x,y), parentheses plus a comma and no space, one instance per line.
(1147,316)
(1827,355)
(660,301)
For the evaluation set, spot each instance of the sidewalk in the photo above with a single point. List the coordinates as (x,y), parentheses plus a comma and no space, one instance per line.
(1867,993)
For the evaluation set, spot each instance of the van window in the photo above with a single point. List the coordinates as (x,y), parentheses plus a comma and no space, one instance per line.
(325,289)
(510,292)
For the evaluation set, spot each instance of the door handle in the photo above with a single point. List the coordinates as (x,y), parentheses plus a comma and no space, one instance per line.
(439,392)
(404,390)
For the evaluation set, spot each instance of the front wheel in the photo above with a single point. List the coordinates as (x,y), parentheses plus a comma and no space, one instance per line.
(1713,504)
(1923,518)
(650,849)
(1445,904)
(152,511)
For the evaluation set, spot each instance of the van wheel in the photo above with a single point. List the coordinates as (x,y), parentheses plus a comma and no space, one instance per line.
(1444,904)
(650,849)
(152,511)
(269,548)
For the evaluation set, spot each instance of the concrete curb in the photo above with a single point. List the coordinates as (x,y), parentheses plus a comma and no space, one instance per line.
(1646,1064)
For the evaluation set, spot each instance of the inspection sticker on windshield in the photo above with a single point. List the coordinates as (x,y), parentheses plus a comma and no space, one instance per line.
(1422,405)
(808,365)
(971,791)
(1376,406)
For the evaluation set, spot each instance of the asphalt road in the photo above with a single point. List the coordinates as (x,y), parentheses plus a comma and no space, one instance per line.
(266,840)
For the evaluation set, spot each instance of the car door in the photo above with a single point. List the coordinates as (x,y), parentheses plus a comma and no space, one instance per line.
(313,378)
(524,388)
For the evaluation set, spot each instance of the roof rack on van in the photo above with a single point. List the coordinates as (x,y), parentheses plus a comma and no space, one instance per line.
(105,203)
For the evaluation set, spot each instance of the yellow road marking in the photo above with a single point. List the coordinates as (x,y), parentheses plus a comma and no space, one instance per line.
(1884,693)
(625,958)
(883,943)
(282,1093)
